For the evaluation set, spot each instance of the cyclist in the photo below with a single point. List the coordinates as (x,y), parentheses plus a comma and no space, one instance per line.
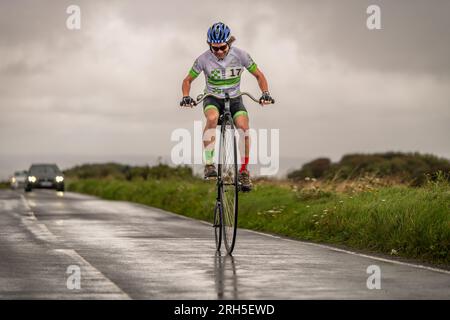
(222,65)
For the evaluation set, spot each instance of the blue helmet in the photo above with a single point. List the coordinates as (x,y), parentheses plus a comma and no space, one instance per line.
(218,33)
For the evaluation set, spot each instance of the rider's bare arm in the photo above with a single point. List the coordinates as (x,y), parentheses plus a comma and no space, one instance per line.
(262,82)
(186,87)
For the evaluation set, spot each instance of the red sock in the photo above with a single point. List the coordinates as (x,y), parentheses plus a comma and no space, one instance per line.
(244,164)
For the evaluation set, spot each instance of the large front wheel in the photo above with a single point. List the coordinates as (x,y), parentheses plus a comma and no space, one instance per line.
(229,183)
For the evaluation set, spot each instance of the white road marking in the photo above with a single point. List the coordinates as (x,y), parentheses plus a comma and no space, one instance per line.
(40,231)
(92,271)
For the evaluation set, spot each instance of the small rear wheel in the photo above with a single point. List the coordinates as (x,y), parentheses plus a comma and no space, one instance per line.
(218,225)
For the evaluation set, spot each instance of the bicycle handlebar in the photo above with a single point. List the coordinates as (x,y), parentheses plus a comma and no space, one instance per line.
(201,97)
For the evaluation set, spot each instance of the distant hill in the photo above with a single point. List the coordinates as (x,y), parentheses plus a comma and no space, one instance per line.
(127,172)
(409,167)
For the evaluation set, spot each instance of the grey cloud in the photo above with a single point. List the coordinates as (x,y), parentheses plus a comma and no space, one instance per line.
(412,39)
(115,84)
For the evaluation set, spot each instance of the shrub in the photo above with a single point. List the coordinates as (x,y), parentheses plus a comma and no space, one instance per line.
(126,172)
(412,168)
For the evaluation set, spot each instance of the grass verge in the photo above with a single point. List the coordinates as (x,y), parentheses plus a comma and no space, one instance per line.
(4,185)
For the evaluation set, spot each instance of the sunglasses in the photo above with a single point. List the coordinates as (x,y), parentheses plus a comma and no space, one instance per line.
(221,48)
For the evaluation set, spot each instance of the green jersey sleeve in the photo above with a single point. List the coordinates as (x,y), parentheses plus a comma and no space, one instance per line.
(246,60)
(196,69)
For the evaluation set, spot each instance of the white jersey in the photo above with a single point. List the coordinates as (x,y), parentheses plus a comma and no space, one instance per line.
(223,76)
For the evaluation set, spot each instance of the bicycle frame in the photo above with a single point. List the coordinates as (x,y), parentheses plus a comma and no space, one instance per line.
(226,114)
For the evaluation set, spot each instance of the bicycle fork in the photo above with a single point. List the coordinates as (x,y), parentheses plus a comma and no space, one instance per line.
(219,181)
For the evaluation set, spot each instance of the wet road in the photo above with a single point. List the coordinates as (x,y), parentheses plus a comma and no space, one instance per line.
(129,251)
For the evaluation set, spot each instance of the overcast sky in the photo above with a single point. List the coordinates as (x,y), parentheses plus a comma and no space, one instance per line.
(113,87)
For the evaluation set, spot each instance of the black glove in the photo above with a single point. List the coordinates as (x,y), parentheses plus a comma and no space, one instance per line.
(187,101)
(266,98)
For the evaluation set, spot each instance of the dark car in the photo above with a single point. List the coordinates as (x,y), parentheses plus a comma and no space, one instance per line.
(44,176)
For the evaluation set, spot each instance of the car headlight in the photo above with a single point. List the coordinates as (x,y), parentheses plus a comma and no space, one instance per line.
(13,180)
(32,179)
(59,179)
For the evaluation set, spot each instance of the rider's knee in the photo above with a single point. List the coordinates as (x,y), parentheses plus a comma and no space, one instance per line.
(243,126)
(212,118)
